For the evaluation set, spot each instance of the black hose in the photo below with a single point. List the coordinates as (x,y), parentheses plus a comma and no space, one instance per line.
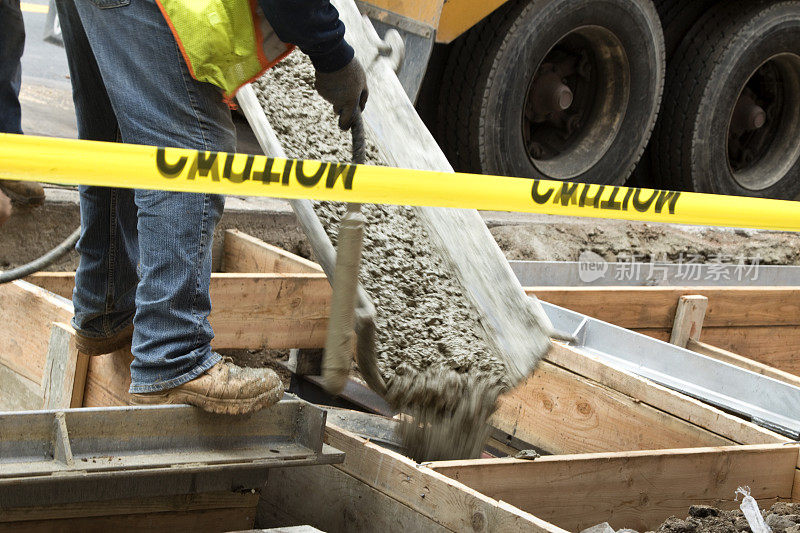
(43,262)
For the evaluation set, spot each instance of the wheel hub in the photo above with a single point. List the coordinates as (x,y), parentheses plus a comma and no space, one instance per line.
(764,126)
(575,102)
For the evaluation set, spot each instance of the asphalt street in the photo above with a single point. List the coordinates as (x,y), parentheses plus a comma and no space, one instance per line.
(46,93)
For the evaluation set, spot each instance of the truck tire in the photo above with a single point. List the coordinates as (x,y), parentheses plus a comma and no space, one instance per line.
(677,18)
(731,119)
(554,89)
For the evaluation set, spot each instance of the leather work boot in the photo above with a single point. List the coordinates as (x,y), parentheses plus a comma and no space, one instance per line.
(23,192)
(223,389)
(103,345)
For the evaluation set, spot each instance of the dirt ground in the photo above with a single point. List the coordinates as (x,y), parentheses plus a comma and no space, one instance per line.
(781,518)
(565,239)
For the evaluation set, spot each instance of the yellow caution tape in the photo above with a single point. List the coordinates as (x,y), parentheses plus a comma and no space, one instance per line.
(68,161)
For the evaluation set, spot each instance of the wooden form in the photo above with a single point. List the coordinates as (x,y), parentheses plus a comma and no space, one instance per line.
(39,364)
(277,311)
(420,498)
(743,362)
(244,253)
(637,490)
(214,511)
(760,323)
(572,404)
(575,404)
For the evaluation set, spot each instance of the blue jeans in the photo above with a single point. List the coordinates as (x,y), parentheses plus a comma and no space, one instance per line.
(12,43)
(144,255)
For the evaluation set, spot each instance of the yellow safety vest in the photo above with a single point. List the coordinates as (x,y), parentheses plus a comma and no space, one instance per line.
(225,42)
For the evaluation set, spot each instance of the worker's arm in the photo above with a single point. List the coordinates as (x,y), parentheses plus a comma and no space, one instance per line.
(314,26)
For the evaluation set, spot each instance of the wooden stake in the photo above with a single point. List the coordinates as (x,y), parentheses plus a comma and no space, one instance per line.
(64,371)
(688,319)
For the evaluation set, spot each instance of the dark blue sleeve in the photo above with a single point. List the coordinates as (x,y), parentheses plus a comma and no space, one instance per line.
(312,25)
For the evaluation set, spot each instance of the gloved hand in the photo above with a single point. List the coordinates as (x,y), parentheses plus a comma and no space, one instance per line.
(346,89)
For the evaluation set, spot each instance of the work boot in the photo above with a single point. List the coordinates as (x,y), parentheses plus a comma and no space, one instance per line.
(224,389)
(104,345)
(23,192)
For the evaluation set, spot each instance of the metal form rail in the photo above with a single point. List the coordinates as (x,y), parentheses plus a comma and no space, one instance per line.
(98,454)
(768,402)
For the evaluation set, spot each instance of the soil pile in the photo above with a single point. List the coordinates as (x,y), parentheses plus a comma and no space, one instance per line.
(781,518)
(562,239)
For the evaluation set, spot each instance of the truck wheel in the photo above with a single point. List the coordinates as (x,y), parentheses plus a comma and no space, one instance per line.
(731,119)
(677,18)
(558,89)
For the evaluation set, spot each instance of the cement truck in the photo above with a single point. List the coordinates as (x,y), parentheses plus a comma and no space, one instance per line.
(700,95)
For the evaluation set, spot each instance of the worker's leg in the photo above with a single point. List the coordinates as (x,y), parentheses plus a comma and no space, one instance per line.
(109,249)
(12,44)
(157,102)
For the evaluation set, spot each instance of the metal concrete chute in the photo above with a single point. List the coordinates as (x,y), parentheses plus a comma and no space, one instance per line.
(766,401)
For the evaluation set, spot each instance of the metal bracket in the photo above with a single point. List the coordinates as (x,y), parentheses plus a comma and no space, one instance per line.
(100,454)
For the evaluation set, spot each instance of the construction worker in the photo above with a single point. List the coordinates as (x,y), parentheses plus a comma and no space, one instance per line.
(145,256)
(12,44)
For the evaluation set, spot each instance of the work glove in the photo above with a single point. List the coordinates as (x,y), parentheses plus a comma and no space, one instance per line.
(345,89)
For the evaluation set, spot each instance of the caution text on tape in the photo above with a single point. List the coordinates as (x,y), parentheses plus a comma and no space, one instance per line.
(67,161)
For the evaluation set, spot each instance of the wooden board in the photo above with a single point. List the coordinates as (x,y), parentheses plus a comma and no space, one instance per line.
(655,307)
(560,412)
(772,346)
(243,253)
(743,362)
(447,502)
(251,311)
(108,379)
(689,319)
(727,426)
(60,283)
(777,347)
(18,393)
(277,311)
(642,415)
(636,490)
(65,370)
(156,504)
(307,297)
(26,314)
(212,520)
(333,501)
